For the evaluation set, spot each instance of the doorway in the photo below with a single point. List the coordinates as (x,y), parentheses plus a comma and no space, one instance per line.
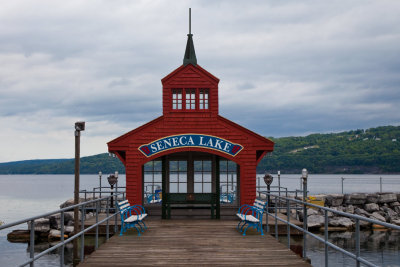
(190,181)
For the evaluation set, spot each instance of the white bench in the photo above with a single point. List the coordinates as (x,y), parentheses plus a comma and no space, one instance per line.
(132,216)
(251,216)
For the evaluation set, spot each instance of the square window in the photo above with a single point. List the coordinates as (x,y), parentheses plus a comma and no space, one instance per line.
(203,99)
(207,188)
(173,187)
(176,98)
(182,187)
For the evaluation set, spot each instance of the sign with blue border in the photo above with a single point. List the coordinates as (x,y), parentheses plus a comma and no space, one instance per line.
(190,140)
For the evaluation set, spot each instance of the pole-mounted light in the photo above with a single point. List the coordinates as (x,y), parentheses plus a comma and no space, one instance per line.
(79,126)
(304,175)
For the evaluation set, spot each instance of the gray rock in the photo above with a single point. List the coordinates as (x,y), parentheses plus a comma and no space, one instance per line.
(69,230)
(365,224)
(396,221)
(398,197)
(54,222)
(387,198)
(41,225)
(70,202)
(334,200)
(362,212)
(355,198)
(394,204)
(397,209)
(371,207)
(300,215)
(340,208)
(350,209)
(372,198)
(376,216)
(312,212)
(315,221)
(391,213)
(341,221)
(55,235)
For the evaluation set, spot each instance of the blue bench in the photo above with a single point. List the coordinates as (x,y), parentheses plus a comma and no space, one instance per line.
(251,216)
(132,216)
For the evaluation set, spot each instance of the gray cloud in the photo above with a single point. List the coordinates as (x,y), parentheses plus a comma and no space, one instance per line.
(286,68)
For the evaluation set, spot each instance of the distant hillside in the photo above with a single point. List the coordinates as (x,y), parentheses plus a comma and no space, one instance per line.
(375,150)
(89,165)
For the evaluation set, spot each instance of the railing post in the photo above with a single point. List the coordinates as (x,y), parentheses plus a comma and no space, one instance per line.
(357,242)
(380,182)
(266,219)
(276,220)
(279,187)
(62,239)
(116,216)
(304,176)
(326,238)
(342,184)
(32,242)
(83,234)
(96,244)
(288,222)
(107,225)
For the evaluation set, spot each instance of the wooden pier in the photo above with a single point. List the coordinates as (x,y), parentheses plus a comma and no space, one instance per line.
(192,242)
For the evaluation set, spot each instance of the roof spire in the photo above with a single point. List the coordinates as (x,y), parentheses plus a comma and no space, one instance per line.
(190,54)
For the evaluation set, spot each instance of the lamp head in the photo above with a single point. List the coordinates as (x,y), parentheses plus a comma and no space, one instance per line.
(304,173)
(80,126)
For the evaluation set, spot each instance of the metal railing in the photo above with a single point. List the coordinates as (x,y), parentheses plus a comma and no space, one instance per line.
(81,234)
(288,201)
(381,181)
(98,191)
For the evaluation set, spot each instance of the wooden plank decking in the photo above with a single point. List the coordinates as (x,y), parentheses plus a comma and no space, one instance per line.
(192,242)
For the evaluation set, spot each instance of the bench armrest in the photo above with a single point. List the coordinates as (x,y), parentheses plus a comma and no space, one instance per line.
(244,209)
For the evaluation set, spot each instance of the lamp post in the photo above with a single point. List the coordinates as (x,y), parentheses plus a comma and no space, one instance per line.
(268,180)
(79,126)
(304,176)
(100,174)
(279,187)
(116,185)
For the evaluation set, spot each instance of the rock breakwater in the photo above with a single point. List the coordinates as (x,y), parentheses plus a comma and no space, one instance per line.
(384,207)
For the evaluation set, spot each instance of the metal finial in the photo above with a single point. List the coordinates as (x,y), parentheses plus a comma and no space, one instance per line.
(190,20)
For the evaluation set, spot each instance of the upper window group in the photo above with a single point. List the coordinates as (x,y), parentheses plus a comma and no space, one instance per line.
(190,99)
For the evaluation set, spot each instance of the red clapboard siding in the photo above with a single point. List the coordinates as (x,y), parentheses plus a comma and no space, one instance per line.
(175,122)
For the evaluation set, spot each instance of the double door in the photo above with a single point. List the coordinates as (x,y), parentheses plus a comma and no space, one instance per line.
(191,172)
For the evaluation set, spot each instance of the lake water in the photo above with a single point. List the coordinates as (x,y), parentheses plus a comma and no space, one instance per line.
(23,196)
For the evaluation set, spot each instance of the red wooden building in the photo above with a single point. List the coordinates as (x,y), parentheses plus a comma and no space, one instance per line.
(190,155)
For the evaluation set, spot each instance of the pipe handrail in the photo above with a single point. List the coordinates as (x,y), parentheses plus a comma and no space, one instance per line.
(4,226)
(67,240)
(305,231)
(63,242)
(354,216)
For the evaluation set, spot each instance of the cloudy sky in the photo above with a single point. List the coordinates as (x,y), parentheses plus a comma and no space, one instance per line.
(286,67)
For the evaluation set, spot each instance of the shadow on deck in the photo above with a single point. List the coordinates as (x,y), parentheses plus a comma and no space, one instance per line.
(192,242)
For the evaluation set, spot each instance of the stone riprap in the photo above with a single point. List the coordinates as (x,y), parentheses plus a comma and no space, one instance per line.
(384,207)
(49,228)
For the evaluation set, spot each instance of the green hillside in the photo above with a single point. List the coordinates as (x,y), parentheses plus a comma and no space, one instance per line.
(375,150)
(89,165)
